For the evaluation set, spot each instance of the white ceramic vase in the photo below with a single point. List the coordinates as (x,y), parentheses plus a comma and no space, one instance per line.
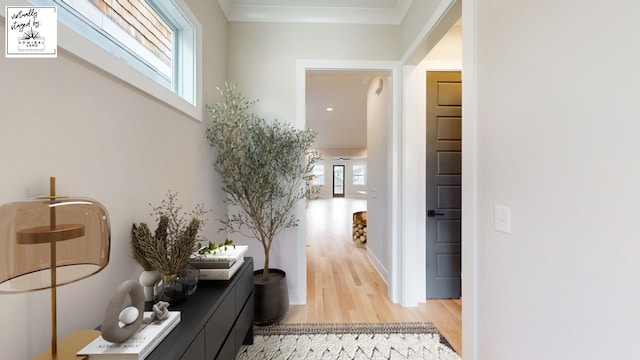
(148,279)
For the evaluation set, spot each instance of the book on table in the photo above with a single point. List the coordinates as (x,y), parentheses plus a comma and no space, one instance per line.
(221,274)
(138,346)
(219,259)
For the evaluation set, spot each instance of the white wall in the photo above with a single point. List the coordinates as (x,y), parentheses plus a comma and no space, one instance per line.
(378,150)
(557,131)
(446,54)
(262,56)
(102,139)
(263,60)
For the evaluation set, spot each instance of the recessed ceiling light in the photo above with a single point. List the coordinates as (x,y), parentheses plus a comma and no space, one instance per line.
(329,109)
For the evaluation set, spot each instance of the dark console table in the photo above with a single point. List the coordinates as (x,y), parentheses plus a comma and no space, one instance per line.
(215,320)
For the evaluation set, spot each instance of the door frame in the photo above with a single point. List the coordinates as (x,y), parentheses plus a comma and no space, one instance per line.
(406,211)
(445,15)
(395,279)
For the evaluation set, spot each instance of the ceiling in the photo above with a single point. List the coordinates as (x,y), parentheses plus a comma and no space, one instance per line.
(342,132)
(317,11)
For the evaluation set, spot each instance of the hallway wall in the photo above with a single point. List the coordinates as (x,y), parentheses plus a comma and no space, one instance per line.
(104,139)
(555,138)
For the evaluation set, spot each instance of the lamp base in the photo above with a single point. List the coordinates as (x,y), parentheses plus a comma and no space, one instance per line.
(69,346)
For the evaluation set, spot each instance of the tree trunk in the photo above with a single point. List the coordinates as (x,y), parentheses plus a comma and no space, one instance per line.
(265,270)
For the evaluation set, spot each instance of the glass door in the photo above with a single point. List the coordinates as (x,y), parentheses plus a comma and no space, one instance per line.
(338,180)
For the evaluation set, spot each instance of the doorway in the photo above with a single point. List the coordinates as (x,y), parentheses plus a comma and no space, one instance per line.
(405,136)
(345,140)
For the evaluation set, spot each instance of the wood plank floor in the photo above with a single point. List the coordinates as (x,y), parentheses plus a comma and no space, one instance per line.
(343,286)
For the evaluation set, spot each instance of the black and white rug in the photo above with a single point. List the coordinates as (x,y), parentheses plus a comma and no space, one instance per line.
(348,341)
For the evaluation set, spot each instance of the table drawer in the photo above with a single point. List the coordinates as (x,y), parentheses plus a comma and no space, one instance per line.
(244,288)
(244,325)
(218,326)
(228,351)
(196,349)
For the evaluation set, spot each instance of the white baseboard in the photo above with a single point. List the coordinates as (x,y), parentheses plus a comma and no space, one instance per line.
(378,266)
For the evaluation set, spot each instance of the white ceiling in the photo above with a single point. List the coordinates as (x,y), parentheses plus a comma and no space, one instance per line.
(343,131)
(317,11)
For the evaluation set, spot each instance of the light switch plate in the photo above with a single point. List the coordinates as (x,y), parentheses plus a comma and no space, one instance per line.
(502,220)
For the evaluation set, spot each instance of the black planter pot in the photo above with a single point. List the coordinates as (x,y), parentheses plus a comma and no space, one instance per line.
(271,298)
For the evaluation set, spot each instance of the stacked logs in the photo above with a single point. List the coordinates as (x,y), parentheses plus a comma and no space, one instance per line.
(359,228)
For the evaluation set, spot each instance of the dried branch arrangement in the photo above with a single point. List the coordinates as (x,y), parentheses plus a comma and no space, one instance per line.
(175,239)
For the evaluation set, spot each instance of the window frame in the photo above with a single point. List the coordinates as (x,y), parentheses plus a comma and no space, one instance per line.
(314,181)
(184,38)
(187,96)
(353,175)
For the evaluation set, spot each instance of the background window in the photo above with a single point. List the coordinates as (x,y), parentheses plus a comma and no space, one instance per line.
(358,175)
(318,175)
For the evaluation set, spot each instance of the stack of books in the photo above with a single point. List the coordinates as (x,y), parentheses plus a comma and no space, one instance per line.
(221,264)
(138,346)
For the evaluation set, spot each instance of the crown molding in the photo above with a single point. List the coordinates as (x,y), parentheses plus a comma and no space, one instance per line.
(255,12)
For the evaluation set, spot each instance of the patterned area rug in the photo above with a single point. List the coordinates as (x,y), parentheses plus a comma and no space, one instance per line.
(348,341)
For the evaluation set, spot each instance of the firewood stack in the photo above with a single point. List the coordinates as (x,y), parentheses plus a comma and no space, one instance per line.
(359,228)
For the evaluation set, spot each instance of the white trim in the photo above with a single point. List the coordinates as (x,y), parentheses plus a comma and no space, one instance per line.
(316,14)
(469,183)
(301,235)
(414,145)
(444,15)
(415,185)
(426,39)
(379,266)
(414,219)
(397,246)
(187,40)
(396,277)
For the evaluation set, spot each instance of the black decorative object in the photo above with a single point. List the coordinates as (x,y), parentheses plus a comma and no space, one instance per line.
(271,298)
(174,289)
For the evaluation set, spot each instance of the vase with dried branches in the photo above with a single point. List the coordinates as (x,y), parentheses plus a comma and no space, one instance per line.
(168,249)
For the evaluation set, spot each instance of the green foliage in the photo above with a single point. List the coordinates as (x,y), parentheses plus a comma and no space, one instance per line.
(263,166)
(175,239)
(211,247)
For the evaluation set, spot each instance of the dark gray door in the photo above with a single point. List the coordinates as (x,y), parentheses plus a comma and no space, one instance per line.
(444,170)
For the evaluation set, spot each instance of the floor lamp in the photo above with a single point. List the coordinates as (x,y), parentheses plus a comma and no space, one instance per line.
(51,241)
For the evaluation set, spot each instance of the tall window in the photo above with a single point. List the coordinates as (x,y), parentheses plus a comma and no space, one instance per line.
(358,175)
(153,36)
(318,175)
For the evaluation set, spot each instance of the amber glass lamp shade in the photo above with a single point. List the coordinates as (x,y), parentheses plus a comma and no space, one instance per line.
(69,235)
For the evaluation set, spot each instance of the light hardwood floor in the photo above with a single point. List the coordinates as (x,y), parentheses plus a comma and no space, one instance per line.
(344,287)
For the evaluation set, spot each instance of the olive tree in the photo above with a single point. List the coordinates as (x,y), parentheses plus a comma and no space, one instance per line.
(264,166)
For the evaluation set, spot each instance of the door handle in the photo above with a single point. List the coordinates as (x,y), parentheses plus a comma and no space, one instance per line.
(433,213)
